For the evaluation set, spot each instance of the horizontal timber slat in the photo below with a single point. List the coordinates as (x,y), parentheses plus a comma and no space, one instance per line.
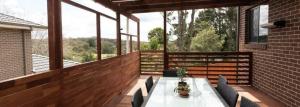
(85,85)
(204,64)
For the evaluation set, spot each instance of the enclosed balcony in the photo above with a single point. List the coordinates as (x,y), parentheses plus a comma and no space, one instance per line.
(100,53)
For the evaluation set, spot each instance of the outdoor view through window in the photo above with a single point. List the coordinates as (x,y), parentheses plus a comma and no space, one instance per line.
(201,30)
(23,38)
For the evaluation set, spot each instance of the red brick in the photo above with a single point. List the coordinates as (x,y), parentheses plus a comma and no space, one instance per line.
(276,70)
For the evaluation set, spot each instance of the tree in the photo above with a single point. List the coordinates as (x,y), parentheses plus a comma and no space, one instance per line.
(207,41)
(145,46)
(107,47)
(224,21)
(157,32)
(156,40)
(80,49)
(184,31)
(154,43)
(40,42)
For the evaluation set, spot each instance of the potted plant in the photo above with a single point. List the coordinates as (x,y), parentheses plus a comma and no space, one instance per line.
(183,88)
(181,73)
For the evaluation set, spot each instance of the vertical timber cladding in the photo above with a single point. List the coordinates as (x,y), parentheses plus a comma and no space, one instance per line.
(276,68)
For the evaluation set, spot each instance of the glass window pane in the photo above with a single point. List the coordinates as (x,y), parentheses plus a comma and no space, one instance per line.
(79,35)
(108,37)
(132,27)
(108,28)
(254,25)
(264,19)
(23,51)
(125,44)
(134,44)
(124,24)
(148,23)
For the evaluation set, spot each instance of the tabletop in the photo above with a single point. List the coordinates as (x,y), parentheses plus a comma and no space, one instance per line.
(202,94)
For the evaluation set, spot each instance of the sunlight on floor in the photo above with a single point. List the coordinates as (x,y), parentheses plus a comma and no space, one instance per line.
(249,96)
(140,84)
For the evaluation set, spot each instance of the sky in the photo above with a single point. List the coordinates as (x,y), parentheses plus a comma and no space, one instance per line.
(81,23)
(77,22)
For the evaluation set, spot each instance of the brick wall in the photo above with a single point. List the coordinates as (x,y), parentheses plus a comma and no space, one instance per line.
(276,64)
(12,53)
(28,51)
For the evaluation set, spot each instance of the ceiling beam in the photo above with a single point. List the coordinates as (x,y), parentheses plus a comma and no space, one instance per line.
(184,5)
(123,1)
(116,8)
(156,2)
(139,6)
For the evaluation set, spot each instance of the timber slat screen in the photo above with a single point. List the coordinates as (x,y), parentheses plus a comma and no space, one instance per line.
(152,62)
(235,66)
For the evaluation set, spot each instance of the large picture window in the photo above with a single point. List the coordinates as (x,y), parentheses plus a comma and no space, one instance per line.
(257,17)
(128,32)
(79,35)
(108,37)
(23,38)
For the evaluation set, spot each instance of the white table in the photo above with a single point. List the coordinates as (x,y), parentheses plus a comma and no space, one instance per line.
(202,94)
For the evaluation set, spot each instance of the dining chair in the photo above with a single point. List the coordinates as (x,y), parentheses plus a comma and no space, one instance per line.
(149,83)
(221,80)
(229,95)
(170,73)
(245,102)
(137,99)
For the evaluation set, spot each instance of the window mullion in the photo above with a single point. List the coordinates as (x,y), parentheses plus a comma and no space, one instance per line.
(258,25)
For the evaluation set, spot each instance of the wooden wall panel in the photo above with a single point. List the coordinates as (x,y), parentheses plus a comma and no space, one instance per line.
(89,85)
(31,91)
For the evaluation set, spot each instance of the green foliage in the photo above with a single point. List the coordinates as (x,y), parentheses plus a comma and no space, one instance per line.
(181,72)
(80,49)
(224,21)
(154,43)
(207,41)
(85,49)
(108,47)
(155,37)
(182,29)
(144,46)
(157,32)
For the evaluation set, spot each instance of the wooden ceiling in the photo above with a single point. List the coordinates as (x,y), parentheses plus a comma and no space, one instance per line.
(141,6)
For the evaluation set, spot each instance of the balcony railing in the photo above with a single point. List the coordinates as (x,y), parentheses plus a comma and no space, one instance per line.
(235,66)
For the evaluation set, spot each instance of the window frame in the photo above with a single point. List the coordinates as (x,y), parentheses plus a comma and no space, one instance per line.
(128,34)
(249,25)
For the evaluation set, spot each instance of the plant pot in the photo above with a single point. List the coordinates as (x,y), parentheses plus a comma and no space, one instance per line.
(183,93)
(182,83)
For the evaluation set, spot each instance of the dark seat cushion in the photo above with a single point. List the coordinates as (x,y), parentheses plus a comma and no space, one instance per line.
(229,94)
(170,73)
(221,80)
(149,83)
(137,99)
(245,102)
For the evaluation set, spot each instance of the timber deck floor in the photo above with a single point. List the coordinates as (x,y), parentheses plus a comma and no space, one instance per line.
(250,92)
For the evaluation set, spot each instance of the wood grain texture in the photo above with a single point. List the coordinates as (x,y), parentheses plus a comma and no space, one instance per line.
(235,66)
(88,85)
(142,6)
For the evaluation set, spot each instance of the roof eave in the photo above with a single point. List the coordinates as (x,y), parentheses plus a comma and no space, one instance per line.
(21,26)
